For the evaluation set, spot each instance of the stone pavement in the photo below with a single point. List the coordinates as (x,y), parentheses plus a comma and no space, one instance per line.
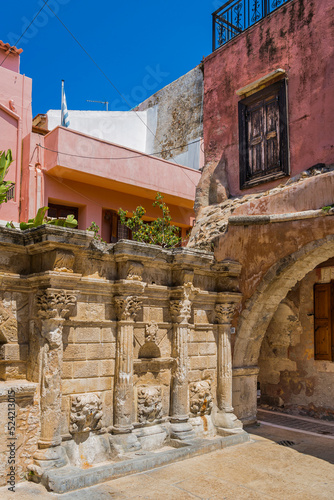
(261,469)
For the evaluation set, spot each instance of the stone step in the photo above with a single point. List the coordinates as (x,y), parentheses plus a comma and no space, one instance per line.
(72,478)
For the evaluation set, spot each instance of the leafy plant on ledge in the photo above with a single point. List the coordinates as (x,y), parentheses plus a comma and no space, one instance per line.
(6,160)
(95,228)
(157,232)
(41,219)
(328,208)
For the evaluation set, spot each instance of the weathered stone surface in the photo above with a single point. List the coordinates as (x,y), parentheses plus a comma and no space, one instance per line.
(296,194)
(86,413)
(149,404)
(109,357)
(200,398)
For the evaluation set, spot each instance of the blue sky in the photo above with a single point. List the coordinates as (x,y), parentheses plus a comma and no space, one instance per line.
(140,45)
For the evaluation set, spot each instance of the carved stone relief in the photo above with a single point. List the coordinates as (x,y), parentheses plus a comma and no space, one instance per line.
(127,307)
(86,413)
(64,262)
(54,303)
(225,312)
(200,398)
(150,349)
(149,403)
(135,271)
(8,327)
(181,308)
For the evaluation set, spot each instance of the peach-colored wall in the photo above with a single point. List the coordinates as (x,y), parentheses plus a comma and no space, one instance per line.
(66,192)
(296,38)
(97,185)
(15,124)
(138,173)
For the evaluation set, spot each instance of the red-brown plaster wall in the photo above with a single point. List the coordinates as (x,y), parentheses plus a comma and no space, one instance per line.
(297,38)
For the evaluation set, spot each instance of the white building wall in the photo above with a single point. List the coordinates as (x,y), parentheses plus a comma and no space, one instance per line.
(127,128)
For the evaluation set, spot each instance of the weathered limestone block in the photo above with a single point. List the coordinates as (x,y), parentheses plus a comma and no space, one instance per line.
(59,260)
(23,398)
(118,358)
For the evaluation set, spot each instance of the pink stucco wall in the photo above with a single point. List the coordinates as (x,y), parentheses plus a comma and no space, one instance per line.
(296,38)
(15,124)
(10,57)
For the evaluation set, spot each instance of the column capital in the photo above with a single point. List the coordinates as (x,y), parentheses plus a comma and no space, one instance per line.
(54,304)
(127,307)
(224,313)
(180,308)
(226,307)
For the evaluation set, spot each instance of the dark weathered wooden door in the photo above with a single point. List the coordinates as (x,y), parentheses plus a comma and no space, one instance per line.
(323,321)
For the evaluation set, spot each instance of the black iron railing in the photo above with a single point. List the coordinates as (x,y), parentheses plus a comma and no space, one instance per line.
(10,195)
(236,16)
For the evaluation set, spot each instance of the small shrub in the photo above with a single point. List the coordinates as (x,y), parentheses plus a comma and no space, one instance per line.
(158,232)
(41,219)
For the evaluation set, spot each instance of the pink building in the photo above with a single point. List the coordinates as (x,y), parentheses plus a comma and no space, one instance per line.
(15,121)
(72,172)
(268,98)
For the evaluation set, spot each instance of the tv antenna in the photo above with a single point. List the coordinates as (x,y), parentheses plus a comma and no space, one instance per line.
(106,103)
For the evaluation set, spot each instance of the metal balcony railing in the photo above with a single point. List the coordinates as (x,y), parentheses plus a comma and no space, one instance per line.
(236,16)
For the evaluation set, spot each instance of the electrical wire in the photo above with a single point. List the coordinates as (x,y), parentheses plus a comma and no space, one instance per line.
(17,41)
(111,83)
(117,158)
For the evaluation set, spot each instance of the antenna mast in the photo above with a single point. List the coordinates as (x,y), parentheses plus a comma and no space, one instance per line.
(106,103)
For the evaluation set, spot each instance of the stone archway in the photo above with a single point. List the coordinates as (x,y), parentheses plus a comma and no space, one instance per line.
(259,310)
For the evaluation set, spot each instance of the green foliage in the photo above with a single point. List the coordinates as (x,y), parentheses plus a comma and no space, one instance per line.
(5,161)
(95,228)
(41,219)
(328,208)
(158,232)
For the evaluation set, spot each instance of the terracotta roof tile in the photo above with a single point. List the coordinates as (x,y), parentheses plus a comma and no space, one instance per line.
(10,48)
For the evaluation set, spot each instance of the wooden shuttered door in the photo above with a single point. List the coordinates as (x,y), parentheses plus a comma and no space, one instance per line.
(263,136)
(323,321)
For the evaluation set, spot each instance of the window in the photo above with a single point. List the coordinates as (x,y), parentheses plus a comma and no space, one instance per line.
(62,211)
(263,136)
(324,321)
(117,230)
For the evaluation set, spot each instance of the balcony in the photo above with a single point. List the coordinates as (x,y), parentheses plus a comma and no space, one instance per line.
(77,157)
(236,16)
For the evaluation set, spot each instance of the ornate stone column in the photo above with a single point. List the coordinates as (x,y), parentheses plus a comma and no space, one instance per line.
(127,308)
(181,312)
(224,418)
(52,308)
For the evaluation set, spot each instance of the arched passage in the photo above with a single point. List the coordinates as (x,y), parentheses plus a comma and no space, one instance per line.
(260,308)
